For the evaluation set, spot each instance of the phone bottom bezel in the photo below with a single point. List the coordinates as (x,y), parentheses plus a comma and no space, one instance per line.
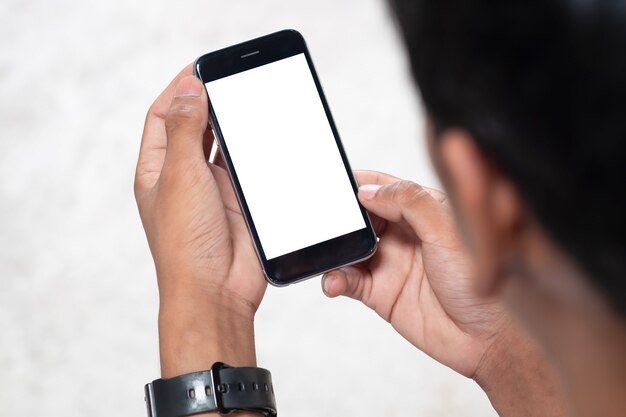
(317,259)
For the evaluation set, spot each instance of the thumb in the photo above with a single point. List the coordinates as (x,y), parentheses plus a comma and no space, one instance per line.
(350,281)
(186,122)
(406,201)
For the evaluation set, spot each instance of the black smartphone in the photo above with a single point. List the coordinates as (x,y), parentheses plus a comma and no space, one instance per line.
(289,170)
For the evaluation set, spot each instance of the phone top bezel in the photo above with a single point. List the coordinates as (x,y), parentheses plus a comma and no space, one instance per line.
(321,257)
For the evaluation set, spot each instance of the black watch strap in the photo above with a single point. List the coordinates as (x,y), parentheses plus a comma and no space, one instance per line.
(222,388)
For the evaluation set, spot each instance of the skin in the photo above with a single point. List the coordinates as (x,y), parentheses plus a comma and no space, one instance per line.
(500,304)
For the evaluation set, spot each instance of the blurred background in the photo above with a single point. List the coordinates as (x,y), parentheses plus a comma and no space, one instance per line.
(78,299)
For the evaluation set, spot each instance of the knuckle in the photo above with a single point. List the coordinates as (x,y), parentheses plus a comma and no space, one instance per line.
(137,187)
(183,114)
(140,184)
(141,191)
(153,110)
(406,192)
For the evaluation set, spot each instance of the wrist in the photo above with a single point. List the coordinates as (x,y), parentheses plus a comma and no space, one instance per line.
(181,286)
(194,334)
(200,325)
(517,378)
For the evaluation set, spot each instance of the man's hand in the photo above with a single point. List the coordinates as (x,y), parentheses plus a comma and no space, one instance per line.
(210,281)
(420,281)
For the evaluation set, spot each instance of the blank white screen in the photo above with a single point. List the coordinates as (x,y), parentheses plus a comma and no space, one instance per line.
(285,156)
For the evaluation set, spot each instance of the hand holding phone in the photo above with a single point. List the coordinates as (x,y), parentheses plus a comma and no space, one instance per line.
(285,159)
(210,281)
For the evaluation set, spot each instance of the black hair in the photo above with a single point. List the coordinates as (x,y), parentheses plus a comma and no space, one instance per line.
(541,87)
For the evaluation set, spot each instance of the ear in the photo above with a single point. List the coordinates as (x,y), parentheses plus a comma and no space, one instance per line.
(486,203)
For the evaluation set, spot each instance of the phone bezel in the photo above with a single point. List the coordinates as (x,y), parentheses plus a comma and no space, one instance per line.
(324,256)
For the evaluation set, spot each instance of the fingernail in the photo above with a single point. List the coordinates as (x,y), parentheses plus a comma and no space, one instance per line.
(326,281)
(189,86)
(368,191)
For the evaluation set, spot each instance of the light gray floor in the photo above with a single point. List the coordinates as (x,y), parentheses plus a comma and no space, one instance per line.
(78,301)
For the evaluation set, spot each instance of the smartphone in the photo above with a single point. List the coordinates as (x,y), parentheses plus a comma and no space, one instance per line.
(290,173)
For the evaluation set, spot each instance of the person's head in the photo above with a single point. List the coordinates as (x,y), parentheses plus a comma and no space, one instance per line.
(527,108)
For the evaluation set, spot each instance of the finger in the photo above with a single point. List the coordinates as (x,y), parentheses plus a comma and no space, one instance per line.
(208,140)
(379,224)
(374,177)
(154,139)
(185,123)
(405,200)
(351,281)
(440,196)
(225,187)
(219,159)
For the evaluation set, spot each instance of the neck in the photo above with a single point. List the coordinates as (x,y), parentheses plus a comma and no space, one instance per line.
(580,333)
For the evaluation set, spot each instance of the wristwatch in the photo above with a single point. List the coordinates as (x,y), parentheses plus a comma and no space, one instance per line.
(222,389)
